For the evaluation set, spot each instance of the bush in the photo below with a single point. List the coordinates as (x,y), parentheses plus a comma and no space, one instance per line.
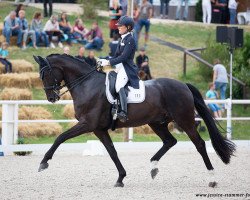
(89,7)
(198,11)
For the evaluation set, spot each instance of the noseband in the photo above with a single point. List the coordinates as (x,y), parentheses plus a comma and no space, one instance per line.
(56,87)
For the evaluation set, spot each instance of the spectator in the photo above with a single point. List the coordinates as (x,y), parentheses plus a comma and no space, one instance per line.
(113,45)
(178,11)
(91,59)
(222,4)
(45,7)
(52,29)
(23,23)
(81,54)
(79,30)
(124,5)
(65,26)
(18,8)
(95,41)
(36,25)
(142,62)
(206,11)
(243,9)
(162,14)
(4,53)
(220,78)
(12,28)
(66,50)
(115,12)
(232,6)
(146,12)
(212,94)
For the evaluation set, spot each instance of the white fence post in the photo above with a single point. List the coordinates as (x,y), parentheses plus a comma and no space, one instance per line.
(228,107)
(9,131)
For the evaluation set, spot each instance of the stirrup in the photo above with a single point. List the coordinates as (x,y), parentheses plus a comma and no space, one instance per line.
(122,116)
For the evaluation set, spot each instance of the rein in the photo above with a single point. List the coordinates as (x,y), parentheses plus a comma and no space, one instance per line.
(57,86)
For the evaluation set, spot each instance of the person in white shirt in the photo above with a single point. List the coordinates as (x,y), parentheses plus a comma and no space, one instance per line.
(207,11)
(232,5)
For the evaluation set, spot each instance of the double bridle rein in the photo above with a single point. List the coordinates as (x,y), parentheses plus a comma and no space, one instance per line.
(56,87)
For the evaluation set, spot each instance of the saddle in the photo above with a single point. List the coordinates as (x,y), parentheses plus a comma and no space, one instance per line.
(133,95)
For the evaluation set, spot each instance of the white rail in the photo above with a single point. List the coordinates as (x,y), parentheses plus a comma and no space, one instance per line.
(10,119)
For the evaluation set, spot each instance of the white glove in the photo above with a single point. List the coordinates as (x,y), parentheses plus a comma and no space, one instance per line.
(104,62)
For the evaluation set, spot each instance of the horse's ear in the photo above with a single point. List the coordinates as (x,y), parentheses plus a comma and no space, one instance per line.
(36,59)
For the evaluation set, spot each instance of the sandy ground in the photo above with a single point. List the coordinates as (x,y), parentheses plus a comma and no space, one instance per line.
(73,176)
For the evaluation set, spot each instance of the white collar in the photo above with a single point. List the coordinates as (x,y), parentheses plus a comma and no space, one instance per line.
(124,35)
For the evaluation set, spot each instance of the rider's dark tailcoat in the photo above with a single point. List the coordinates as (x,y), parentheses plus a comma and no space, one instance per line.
(125,53)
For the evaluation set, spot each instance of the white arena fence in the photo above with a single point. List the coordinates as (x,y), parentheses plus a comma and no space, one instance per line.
(10,123)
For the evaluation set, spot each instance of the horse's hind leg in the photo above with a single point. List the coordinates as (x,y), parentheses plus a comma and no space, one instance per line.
(107,142)
(168,141)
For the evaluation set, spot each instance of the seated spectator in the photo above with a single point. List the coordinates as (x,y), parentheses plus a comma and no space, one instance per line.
(12,28)
(18,8)
(65,26)
(113,45)
(212,94)
(142,62)
(23,23)
(4,53)
(81,54)
(52,29)
(79,30)
(36,25)
(66,50)
(95,39)
(91,59)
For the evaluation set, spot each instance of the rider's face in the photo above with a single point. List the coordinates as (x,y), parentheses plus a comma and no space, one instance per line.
(122,29)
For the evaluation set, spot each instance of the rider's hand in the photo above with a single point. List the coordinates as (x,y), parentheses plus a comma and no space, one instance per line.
(104,62)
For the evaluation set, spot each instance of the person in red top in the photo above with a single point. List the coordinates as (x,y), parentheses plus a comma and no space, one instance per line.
(79,30)
(95,38)
(115,12)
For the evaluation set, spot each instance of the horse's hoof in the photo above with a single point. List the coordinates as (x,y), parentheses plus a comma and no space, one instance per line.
(154,172)
(212,184)
(119,184)
(43,166)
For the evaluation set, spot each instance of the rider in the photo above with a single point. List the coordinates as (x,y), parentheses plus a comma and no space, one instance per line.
(123,60)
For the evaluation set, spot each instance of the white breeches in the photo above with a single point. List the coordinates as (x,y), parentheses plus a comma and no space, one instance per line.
(207,12)
(122,77)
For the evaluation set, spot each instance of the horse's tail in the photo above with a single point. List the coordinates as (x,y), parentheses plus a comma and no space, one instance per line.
(223,147)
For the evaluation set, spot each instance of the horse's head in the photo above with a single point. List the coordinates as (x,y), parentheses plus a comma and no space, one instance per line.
(51,77)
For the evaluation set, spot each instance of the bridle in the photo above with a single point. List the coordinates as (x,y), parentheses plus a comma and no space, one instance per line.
(56,87)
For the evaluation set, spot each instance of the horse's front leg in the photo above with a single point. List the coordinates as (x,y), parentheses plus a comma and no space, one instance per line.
(76,130)
(107,142)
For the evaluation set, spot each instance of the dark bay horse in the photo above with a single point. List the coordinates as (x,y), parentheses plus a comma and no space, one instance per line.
(166,100)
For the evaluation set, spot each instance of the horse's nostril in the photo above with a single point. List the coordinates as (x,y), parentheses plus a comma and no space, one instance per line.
(51,99)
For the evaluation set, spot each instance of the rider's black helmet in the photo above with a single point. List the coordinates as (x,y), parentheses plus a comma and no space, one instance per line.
(126,21)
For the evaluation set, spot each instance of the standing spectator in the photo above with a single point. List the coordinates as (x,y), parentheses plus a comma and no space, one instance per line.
(81,54)
(96,40)
(232,6)
(206,11)
(91,59)
(65,26)
(4,53)
(18,8)
(146,12)
(164,15)
(23,23)
(178,11)
(142,61)
(12,28)
(243,10)
(220,78)
(79,30)
(52,29)
(36,25)
(222,4)
(113,45)
(45,7)
(212,94)
(124,5)
(115,12)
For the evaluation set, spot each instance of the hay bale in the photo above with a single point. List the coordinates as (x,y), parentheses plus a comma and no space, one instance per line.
(19,66)
(145,129)
(16,94)
(39,129)
(15,80)
(35,79)
(68,111)
(33,113)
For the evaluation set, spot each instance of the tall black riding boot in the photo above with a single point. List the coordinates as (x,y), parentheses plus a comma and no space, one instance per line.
(123,101)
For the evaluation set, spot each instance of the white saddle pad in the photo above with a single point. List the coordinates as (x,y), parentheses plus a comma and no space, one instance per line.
(134,95)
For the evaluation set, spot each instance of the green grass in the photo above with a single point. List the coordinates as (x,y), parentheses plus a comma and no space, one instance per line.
(164,62)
